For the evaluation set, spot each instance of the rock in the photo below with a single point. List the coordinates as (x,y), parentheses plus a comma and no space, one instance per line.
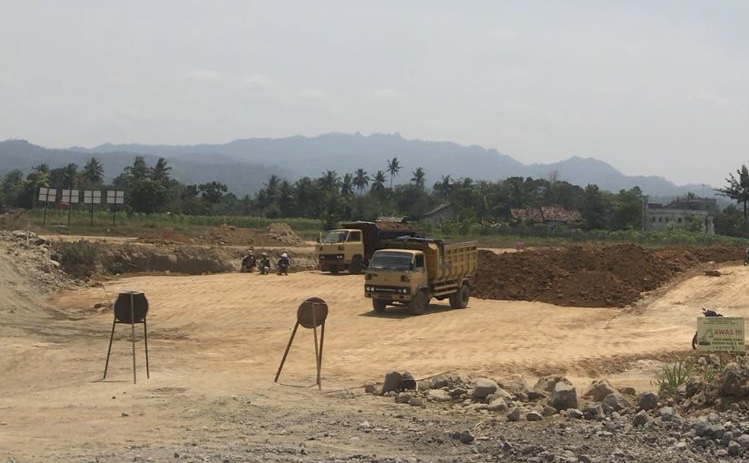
(615,401)
(497,405)
(534,416)
(641,419)
(407,381)
(599,389)
(547,383)
(647,401)
(743,440)
(514,414)
(548,410)
(438,395)
(564,396)
(370,388)
(483,387)
(392,382)
(575,414)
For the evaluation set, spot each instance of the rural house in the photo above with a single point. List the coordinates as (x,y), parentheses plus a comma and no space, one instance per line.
(551,216)
(682,214)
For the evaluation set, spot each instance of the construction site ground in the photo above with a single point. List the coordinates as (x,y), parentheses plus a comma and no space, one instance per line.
(216,342)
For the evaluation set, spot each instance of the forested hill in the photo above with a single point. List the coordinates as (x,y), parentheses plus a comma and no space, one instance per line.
(245,165)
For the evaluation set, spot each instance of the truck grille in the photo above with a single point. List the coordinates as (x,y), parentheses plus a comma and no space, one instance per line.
(386,289)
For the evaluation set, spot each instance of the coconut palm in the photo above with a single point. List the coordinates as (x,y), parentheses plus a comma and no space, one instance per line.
(419,177)
(393,168)
(361,180)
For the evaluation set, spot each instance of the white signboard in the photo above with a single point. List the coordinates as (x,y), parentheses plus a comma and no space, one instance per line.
(91,197)
(115,197)
(720,334)
(47,194)
(70,196)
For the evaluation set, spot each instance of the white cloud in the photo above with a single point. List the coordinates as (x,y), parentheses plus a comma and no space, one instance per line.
(204,75)
(257,80)
(387,93)
(311,93)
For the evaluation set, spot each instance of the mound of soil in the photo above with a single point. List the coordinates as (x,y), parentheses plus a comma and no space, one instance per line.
(275,234)
(590,275)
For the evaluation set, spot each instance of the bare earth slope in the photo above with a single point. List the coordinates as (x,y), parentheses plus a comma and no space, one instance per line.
(216,342)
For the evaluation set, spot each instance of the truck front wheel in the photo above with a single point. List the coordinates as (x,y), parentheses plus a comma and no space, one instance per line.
(459,300)
(419,303)
(378,305)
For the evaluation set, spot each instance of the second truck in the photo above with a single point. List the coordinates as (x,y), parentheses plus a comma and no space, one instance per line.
(351,247)
(411,271)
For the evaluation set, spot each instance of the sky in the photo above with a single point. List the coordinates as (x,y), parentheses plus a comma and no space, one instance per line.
(652,87)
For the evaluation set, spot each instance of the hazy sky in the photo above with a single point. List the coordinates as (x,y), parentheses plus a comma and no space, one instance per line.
(653,87)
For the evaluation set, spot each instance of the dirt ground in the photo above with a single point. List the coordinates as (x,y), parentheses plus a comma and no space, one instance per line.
(215,345)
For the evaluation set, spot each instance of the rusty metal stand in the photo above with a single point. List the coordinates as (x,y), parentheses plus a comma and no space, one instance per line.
(132,322)
(311,314)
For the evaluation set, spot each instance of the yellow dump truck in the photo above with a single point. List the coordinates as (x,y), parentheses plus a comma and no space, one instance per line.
(411,271)
(351,247)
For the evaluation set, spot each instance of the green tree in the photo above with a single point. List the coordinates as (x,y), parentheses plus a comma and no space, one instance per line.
(212,191)
(738,189)
(329,181)
(444,187)
(361,180)
(595,209)
(146,195)
(12,187)
(378,183)
(160,172)
(347,185)
(393,169)
(92,174)
(418,177)
(627,213)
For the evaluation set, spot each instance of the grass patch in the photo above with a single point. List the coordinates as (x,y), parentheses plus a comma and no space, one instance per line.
(672,377)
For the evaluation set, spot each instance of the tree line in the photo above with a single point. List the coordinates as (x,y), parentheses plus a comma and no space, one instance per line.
(333,197)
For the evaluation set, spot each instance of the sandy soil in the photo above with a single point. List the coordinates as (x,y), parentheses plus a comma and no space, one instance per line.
(216,342)
(217,339)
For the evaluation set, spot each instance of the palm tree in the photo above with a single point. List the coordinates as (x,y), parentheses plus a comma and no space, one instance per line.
(361,180)
(93,173)
(160,172)
(378,183)
(419,177)
(347,185)
(329,180)
(393,169)
(444,186)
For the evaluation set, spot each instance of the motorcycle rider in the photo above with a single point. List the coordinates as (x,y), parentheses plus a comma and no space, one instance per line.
(283,264)
(264,266)
(746,256)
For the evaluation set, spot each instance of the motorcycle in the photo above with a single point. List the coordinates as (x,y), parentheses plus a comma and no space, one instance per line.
(705,313)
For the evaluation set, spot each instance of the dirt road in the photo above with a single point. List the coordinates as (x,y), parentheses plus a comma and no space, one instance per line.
(216,342)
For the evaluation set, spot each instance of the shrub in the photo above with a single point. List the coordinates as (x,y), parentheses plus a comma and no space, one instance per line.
(672,377)
(78,258)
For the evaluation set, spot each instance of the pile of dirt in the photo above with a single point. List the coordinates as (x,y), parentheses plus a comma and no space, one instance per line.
(275,234)
(589,275)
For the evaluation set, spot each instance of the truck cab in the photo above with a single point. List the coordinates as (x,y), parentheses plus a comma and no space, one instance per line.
(351,246)
(341,249)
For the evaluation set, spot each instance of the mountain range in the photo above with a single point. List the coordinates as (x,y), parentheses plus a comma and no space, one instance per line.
(245,165)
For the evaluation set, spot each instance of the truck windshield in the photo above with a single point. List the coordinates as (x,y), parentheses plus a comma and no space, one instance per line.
(335,236)
(390,261)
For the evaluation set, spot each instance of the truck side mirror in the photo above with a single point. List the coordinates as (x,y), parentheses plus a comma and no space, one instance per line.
(411,266)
